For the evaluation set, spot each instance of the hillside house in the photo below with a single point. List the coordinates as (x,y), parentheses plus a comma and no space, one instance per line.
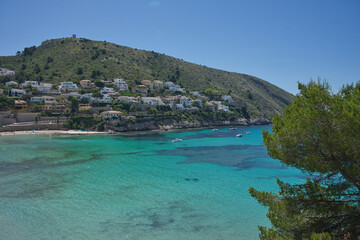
(106,99)
(185,101)
(147,83)
(44,88)
(15,92)
(155,101)
(195,94)
(72,94)
(20,104)
(1,91)
(30,83)
(107,82)
(11,84)
(227,99)
(142,89)
(177,107)
(157,84)
(109,91)
(128,99)
(198,102)
(121,84)
(176,88)
(54,107)
(223,108)
(111,115)
(6,72)
(169,84)
(85,83)
(68,86)
(42,99)
(84,107)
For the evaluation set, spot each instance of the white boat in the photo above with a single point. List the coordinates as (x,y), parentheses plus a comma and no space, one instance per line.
(239,135)
(215,129)
(232,128)
(246,132)
(177,140)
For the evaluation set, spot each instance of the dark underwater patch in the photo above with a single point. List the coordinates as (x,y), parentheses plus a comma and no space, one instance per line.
(172,216)
(36,163)
(240,156)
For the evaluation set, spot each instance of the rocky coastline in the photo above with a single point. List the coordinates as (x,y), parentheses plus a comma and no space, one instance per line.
(167,125)
(171,124)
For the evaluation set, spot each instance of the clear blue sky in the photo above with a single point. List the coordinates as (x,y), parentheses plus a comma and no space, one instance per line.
(280,41)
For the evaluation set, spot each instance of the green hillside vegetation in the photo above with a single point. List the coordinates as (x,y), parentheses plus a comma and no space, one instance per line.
(71,59)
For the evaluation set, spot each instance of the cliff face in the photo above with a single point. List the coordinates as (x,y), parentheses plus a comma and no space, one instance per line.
(71,59)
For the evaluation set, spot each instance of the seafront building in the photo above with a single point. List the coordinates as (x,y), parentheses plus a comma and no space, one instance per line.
(111,115)
(54,107)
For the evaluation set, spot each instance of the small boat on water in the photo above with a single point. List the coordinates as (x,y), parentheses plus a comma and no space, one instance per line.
(232,128)
(246,132)
(215,129)
(239,135)
(177,140)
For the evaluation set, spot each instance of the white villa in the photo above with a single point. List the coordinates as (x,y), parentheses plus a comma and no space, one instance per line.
(177,107)
(128,99)
(227,99)
(195,94)
(15,92)
(185,101)
(86,95)
(199,102)
(107,90)
(6,72)
(157,84)
(176,88)
(68,86)
(223,108)
(44,87)
(106,99)
(121,84)
(152,100)
(169,84)
(30,83)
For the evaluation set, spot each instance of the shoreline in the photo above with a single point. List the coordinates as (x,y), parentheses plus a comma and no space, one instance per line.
(73,132)
(55,133)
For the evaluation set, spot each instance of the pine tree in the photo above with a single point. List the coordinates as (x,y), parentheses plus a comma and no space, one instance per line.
(319,133)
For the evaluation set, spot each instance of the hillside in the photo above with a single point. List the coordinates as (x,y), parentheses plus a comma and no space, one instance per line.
(71,59)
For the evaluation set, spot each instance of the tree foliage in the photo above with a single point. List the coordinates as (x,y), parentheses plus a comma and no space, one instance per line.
(319,133)
(6,102)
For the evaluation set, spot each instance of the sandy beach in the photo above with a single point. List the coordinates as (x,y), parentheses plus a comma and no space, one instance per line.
(53,132)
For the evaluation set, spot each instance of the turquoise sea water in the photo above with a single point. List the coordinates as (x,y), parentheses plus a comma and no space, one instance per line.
(138,186)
